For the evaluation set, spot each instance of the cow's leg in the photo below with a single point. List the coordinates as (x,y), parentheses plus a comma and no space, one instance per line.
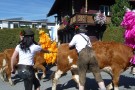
(56,75)
(115,78)
(44,71)
(36,74)
(109,86)
(2,67)
(75,75)
(108,70)
(7,74)
(41,67)
(1,74)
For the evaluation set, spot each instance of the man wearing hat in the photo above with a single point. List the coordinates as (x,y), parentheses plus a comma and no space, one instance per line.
(86,61)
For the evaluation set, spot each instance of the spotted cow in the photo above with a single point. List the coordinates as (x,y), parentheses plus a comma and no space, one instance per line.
(5,65)
(112,57)
(5,68)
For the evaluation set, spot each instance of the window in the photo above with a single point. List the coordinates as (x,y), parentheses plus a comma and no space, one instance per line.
(105,9)
(16,25)
(43,26)
(33,25)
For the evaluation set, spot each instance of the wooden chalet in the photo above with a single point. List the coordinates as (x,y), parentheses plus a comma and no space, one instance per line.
(77,12)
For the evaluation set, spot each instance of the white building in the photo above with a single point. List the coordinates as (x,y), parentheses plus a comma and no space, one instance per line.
(20,23)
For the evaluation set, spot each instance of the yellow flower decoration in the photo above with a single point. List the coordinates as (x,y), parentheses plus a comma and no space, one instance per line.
(46,43)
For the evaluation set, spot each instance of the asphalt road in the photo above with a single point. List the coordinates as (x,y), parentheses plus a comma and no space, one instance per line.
(127,82)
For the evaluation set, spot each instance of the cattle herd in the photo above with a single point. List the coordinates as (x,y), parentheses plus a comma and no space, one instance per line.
(113,58)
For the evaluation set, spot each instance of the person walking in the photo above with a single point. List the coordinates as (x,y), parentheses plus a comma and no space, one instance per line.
(87,60)
(26,50)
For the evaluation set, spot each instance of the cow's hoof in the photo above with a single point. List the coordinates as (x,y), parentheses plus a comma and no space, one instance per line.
(133,73)
(12,84)
(132,70)
(102,89)
(43,76)
(2,78)
(109,87)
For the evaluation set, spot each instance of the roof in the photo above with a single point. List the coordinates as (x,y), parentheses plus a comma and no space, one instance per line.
(18,18)
(58,6)
(61,5)
(21,20)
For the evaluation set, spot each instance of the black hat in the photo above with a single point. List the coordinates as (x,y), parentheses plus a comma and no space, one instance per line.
(28,32)
(82,29)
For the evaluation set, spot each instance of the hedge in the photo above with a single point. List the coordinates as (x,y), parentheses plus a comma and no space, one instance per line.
(9,38)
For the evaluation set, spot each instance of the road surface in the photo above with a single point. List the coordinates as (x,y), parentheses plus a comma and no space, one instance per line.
(127,82)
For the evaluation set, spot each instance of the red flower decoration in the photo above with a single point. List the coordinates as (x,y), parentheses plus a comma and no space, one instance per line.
(76,27)
(22,33)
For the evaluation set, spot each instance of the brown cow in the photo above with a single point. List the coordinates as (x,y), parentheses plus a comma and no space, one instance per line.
(112,57)
(8,53)
(5,71)
(39,64)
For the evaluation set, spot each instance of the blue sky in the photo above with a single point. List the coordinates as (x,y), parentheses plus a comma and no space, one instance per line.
(28,9)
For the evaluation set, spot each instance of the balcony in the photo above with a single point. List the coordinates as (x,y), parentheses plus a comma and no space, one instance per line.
(86,19)
(81,19)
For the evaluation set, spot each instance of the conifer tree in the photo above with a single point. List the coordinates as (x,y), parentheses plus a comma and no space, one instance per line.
(118,11)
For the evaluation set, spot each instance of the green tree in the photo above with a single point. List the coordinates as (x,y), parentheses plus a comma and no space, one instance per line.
(114,31)
(118,11)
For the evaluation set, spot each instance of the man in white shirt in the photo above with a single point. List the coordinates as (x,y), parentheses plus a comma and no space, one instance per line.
(87,60)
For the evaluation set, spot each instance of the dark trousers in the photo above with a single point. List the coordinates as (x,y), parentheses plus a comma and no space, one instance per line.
(88,62)
(28,83)
(28,75)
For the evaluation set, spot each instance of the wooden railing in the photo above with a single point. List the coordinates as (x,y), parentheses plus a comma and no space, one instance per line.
(81,19)
(86,19)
